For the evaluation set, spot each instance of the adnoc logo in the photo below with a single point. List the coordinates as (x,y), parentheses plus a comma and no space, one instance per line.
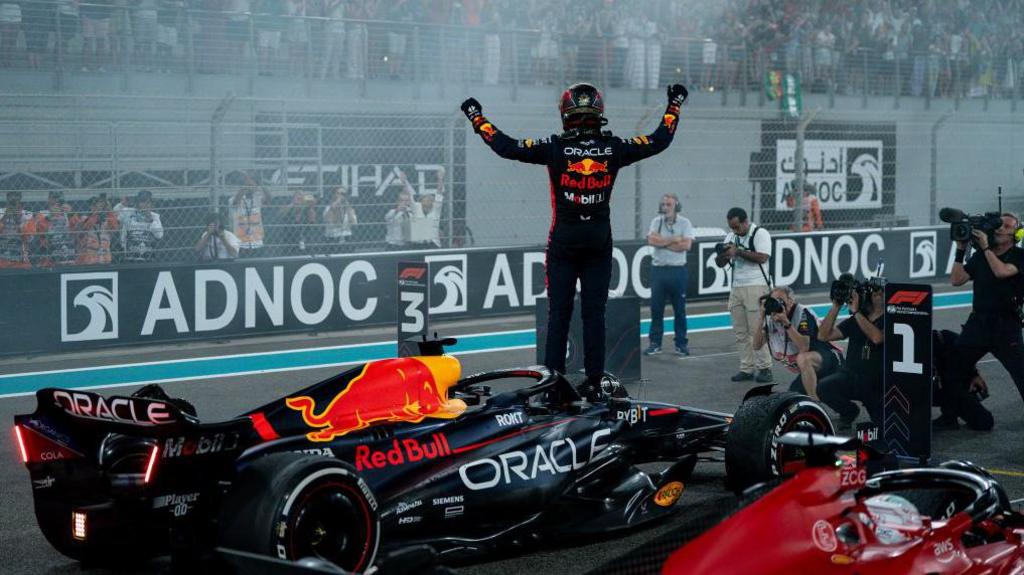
(88,308)
(450,273)
(922,254)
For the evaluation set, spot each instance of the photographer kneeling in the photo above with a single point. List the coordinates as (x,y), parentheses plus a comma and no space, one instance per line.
(791,333)
(860,378)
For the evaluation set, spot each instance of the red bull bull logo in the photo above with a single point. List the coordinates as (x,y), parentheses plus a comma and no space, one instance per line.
(670,119)
(588,167)
(488,130)
(406,389)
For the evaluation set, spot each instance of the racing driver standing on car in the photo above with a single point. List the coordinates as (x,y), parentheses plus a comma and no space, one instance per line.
(582,164)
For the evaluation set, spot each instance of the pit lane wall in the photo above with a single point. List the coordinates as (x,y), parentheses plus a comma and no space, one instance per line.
(82,308)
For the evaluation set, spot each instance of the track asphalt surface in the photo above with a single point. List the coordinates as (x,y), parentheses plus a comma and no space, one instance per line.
(700,380)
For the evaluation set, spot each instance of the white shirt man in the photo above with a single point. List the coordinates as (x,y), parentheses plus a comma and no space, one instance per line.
(671,235)
(748,250)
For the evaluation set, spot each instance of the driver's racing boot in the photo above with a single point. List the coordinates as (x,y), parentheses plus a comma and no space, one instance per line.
(154,391)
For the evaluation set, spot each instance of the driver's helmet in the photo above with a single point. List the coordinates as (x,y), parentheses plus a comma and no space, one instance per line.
(893,516)
(581,104)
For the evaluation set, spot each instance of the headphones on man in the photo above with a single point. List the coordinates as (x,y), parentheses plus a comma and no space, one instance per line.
(675,198)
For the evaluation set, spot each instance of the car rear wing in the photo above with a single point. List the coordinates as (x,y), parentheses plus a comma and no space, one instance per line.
(71,424)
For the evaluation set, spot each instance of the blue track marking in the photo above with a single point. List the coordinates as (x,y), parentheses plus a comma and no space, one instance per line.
(255,363)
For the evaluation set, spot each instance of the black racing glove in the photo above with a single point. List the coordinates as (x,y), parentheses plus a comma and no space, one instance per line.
(677,94)
(472,109)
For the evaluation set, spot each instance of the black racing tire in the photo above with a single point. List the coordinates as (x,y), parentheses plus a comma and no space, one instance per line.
(291,506)
(752,450)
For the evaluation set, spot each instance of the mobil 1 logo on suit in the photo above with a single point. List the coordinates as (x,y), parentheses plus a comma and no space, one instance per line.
(88,306)
(907,387)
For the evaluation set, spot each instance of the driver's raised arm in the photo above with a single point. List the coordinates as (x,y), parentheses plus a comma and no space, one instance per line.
(529,151)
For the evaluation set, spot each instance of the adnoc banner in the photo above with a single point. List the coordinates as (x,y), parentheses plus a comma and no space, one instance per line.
(63,310)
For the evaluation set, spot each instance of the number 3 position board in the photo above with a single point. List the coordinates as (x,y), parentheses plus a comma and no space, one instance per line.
(412,309)
(907,389)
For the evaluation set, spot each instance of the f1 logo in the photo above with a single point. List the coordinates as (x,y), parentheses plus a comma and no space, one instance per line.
(412,273)
(913,298)
(88,306)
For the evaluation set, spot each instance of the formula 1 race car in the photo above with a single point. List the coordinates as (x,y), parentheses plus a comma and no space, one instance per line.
(390,454)
(832,518)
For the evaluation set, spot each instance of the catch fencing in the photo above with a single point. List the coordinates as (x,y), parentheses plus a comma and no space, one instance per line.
(287,159)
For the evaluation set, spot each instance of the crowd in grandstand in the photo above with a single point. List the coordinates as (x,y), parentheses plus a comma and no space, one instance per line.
(937,47)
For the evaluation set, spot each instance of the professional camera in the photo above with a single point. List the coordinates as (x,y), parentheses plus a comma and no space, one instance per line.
(720,247)
(961,225)
(773,305)
(843,288)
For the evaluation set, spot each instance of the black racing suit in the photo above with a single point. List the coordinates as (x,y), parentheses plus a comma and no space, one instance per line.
(581,172)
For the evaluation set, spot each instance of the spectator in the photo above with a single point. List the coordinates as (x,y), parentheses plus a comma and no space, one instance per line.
(54,226)
(671,235)
(810,207)
(96,34)
(68,14)
(145,33)
(38,22)
(399,16)
(492,25)
(95,232)
(10,26)
(169,17)
(356,39)
(141,229)
(339,217)
(398,221)
(17,230)
(748,248)
(269,24)
(425,227)
(236,30)
(297,36)
(302,218)
(334,39)
(216,243)
(247,217)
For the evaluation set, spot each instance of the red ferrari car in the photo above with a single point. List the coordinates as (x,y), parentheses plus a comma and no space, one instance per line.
(831,518)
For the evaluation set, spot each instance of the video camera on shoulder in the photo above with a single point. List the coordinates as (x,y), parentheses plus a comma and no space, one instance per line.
(842,289)
(962,225)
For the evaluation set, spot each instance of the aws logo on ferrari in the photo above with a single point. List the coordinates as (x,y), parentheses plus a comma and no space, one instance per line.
(559,456)
(587,167)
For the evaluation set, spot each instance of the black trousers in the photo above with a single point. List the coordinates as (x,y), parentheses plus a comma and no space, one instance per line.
(999,334)
(840,389)
(594,271)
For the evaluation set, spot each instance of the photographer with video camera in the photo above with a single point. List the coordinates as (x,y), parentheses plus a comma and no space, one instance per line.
(748,247)
(860,378)
(995,321)
(791,334)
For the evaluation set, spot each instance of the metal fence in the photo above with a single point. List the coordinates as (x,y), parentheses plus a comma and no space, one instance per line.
(271,169)
(132,42)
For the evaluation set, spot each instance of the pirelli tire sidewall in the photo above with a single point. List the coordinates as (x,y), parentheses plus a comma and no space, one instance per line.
(269,496)
(753,453)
